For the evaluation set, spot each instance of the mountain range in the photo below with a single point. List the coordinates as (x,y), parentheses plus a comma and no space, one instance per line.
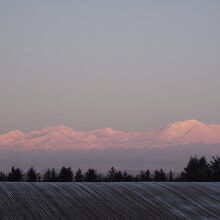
(190,132)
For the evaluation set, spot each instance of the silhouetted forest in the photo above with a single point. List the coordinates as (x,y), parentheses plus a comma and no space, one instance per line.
(198,169)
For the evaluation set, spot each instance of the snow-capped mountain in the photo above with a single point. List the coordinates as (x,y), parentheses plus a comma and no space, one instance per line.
(188,132)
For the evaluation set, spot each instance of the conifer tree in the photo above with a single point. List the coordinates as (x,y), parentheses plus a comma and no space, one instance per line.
(79,176)
(66,174)
(31,175)
(15,174)
(91,175)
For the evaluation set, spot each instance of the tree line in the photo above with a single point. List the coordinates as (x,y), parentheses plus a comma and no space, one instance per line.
(197,169)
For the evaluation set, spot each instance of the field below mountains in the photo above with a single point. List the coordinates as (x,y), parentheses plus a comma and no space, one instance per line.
(109,201)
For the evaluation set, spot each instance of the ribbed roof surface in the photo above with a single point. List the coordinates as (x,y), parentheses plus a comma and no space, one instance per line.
(109,201)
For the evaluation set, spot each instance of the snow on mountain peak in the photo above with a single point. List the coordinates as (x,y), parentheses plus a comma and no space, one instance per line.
(188,132)
(104,131)
(57,128)
(187,123)
(13,134)
(53,137)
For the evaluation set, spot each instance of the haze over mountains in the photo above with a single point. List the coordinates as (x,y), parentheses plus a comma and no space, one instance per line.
(169,147)
(190,132)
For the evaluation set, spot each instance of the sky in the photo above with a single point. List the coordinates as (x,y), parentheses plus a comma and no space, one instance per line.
(128,65)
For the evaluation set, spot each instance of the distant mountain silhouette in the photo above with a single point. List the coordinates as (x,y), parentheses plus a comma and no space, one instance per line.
(188,132)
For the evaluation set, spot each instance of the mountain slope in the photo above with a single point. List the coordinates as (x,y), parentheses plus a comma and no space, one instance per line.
(59,137)
(187,132)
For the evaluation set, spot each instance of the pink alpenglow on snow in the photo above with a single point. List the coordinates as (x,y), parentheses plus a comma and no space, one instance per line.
(61,137)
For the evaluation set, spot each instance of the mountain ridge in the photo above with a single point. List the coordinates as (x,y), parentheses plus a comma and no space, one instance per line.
(58,137)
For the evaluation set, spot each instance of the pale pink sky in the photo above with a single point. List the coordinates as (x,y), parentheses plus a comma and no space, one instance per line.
(129,65)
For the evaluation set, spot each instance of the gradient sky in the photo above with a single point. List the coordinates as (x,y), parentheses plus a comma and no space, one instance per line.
(129,65)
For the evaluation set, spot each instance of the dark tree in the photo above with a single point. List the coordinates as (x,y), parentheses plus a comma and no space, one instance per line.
(170,176)
(50,176)
(66,174)
(126,177)
(142,176)
(204,170)
(3,176)
(159,175)
(215,168)
(111,174)
(15,174)
(118,176)
(47,176)
(31,175)
(197,169)
(145,175)
(156,175)
(162,175)
(91,175)
(53,175)
(79,176)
